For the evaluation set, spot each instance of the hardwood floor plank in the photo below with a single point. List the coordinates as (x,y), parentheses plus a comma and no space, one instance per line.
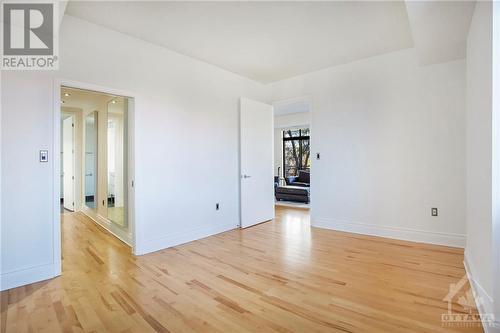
(279,276)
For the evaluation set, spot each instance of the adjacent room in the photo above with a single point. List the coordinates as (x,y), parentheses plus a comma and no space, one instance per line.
(95,158)
(256,166)
(292,152)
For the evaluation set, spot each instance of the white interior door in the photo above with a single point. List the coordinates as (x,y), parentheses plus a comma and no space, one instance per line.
(256,162)
(68,164)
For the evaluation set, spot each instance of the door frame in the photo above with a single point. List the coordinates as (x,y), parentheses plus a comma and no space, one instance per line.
(58,83)
(312,143)
(73,145)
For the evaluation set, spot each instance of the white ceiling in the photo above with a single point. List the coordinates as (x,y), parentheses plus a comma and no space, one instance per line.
(440,29)
(270,41)
(89,100)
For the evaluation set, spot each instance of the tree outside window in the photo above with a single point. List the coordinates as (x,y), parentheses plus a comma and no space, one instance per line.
(296,151)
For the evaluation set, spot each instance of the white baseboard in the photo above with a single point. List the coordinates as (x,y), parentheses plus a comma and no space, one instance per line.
(26,276)
(421,236)
(118,232)
(161,243)
(485,305)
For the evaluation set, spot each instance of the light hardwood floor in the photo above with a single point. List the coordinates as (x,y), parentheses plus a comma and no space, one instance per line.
(280,276)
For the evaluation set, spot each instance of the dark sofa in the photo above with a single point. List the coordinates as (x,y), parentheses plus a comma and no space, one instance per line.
(296,189)
(303,179)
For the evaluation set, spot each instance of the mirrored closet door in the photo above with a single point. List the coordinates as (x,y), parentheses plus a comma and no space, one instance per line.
(101,142)
(90,182)
(117,161)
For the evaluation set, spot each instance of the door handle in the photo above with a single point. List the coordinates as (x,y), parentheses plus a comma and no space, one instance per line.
(246,176)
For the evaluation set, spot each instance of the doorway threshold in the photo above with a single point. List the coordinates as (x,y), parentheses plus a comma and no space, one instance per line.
(292,204)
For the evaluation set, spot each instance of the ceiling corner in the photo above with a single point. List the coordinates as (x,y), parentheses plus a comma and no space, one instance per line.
(439,29)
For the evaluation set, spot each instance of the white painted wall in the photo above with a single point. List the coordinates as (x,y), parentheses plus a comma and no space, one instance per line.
(186,114)
(483,162)
(479,143)
(278,152)
(496,161)
(1,182)
(27,185)
(391,136)
(292,120)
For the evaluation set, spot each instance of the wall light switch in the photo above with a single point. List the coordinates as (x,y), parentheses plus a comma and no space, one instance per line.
(44,156)
(317,156)
(434,212)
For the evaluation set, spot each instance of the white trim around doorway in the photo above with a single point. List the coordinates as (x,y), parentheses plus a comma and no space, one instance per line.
(129,237)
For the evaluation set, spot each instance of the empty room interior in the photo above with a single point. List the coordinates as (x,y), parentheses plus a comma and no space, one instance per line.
(250,166)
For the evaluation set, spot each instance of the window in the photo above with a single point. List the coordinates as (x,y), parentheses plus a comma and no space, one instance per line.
(296,152)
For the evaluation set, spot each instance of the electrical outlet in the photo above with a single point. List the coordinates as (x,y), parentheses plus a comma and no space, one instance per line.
(318,156)
(217,206)
(434,212)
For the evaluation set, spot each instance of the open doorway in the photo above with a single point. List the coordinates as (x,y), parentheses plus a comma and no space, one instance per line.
(292,152)
(95,158)
(274,145)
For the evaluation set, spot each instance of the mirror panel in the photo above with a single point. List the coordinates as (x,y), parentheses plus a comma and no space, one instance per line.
(91,160)
(116,156)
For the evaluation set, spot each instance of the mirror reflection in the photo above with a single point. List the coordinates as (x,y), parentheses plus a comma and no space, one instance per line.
(116,155)
(91,160)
